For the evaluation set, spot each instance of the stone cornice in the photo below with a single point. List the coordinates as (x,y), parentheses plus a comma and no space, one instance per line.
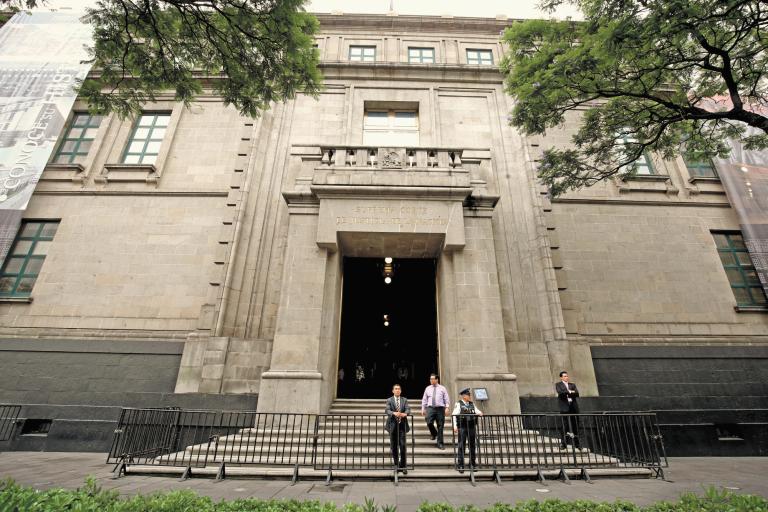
(413,23)
(412,72)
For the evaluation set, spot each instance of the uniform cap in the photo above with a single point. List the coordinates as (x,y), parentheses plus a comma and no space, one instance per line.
(464,391)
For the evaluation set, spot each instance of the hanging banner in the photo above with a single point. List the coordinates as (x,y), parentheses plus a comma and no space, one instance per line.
(41,59)
(744,175)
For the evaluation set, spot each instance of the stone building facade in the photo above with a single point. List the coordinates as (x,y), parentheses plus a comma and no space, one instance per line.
(203,266)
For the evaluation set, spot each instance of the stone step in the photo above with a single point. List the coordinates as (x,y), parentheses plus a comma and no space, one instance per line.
(429,474)
(381,458)
(418,444)
(420,438)
(355,401)
(286,449)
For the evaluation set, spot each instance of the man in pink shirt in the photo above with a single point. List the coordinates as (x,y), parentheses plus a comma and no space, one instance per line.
(434,405)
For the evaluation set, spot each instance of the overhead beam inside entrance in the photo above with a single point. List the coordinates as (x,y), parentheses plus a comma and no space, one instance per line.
(396,245)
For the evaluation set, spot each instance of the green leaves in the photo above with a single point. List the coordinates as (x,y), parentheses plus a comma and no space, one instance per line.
(644,69)
(250,52)
(91,498)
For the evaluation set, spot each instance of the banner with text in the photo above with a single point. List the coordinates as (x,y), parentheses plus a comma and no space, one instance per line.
(41,59)
(744,175)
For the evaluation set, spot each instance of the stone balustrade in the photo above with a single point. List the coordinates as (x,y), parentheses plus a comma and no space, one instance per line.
(410,158)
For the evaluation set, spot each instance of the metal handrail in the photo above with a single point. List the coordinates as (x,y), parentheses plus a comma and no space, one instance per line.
(560,441)
(359,442)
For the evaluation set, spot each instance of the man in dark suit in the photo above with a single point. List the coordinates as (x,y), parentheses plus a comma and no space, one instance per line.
(397,425)
(567,393)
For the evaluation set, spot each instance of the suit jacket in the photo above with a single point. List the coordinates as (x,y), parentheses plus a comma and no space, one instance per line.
(391,419)
(562,397)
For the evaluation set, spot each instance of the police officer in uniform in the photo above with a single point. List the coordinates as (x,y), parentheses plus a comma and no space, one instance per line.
(464,422)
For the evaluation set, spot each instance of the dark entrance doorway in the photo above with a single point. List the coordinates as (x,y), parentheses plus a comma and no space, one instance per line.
(372,355)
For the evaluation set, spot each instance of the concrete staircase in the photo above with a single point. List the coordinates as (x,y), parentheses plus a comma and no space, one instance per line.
(430,463)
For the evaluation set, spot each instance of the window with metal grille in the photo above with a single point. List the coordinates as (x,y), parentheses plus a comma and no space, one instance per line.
(77,140)
(25,259)
(146,138)
(644,167)
(739,269)
(481,57)
(699,168)
(362,53)
(421,55)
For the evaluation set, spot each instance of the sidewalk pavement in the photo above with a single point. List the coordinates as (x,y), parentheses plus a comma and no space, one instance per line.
(44,470)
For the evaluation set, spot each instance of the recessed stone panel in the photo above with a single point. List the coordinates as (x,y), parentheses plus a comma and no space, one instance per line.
(410,226)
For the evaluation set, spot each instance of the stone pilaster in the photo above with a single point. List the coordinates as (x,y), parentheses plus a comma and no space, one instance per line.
(293,381)
(481,359)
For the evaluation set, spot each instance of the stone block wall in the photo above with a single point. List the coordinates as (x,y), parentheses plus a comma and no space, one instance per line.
(648,270)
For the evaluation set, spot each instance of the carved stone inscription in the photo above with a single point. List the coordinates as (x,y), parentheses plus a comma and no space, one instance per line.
(393,215)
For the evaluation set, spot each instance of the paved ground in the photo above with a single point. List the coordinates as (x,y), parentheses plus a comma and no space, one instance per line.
(44,470)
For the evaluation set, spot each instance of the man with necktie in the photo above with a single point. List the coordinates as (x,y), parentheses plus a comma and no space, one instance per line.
(465,424)
(434,404)
(397,426)
(567,393)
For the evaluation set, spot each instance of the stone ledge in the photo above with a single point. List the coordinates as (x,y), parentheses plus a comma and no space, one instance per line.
(16,300)
(710,179)
(146,173)
(92,346)
(487,376)
(63,172)
(751,309)
(287,374)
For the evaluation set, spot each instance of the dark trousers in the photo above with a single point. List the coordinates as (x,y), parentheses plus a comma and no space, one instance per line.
(436,415)
(397,443)
(569,424)
(467,435)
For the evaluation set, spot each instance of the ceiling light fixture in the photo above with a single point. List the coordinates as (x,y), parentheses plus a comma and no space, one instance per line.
(389,270)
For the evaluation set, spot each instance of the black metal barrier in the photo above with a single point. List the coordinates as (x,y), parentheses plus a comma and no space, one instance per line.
(559,441)
(196,438)
(192,439)
(360,442)
(9,416)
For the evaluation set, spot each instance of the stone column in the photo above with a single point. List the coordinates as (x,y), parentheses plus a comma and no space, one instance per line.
(293,381)
(481,355)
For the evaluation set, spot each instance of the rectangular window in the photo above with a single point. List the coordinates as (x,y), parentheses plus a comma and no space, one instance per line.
(362,53)
(146,138)
(22,266)
(480,57)
(391,128)
(739,269)
(78,139)
(644,166)
(421,55)
(699,168)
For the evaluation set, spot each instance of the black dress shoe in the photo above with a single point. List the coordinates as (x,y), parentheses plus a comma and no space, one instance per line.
(440,446)
(461,469)
(433,437)
(405,471)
